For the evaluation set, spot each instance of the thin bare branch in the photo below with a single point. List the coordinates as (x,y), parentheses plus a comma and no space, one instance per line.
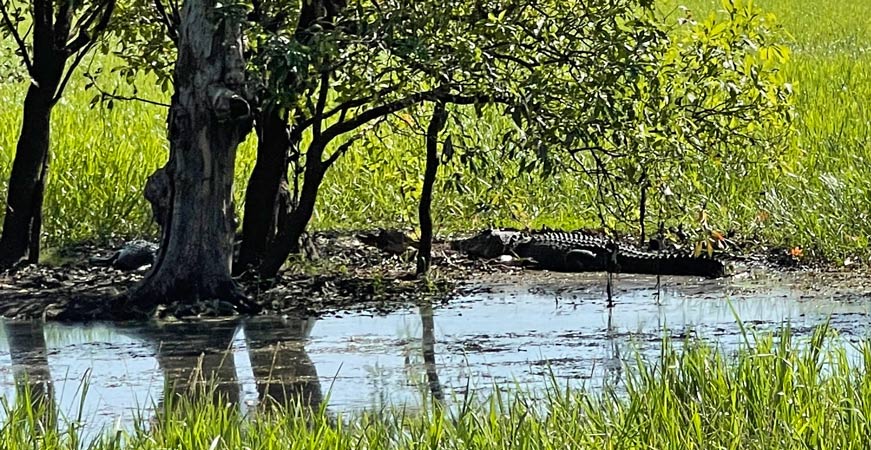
(318,116)
(341,151)
(13,30)
(81,48)
(126,98)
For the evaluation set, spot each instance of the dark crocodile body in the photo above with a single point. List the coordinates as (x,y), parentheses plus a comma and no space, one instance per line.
(583,252)
(131,256)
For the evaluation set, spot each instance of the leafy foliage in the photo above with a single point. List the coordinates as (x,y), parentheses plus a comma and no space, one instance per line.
(716,99)
(705,93)
(575,78)
(601,88)
(603,93)
(41,34)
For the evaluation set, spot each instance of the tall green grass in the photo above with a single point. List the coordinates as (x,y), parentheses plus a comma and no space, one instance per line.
(822,197)
(819,199)
(773,392)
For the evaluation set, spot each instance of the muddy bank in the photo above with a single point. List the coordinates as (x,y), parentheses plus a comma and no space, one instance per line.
(347,275)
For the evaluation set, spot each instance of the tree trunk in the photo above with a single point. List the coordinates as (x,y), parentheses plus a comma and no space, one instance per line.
(266,196)
(27,179)
(287,241)
(265,187)
(436,124)
(207,121)
(51,48)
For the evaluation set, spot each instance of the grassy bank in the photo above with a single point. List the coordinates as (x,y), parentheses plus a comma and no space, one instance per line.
(819,198)
(771,393)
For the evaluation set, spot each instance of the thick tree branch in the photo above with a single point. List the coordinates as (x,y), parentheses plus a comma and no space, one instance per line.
(389,108)
(62,23)
(42,19)
(435,95)
(344,108)
(376,112)
(84,37)
(80,30)
(69,73)
(86,18)
(256,14)
(340,151)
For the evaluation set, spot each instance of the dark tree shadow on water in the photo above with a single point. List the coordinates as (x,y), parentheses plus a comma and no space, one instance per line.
(198,362)
(428,341)
(283,370)
(30,369)
(196,359)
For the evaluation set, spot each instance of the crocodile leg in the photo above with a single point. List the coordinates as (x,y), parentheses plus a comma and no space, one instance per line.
(581,260)
(107,261)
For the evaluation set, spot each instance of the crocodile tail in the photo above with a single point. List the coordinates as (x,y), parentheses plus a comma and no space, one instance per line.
(674,265)
(699,266)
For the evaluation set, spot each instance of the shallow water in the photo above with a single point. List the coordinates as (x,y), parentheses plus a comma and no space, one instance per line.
(503,336)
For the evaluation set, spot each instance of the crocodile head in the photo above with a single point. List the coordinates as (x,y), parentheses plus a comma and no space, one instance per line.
(487,244)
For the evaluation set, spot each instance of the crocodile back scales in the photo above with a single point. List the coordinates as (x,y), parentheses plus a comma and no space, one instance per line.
(581,252)
(135,254)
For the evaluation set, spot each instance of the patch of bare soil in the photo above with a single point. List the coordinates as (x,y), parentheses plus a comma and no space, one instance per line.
(346,275)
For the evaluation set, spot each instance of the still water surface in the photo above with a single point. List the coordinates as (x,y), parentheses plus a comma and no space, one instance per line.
(504,336)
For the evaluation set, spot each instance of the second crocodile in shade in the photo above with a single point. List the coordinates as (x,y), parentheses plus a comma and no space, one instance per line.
(583,252)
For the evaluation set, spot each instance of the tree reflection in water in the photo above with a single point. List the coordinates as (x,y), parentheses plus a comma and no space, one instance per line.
(196,358)
(30,369)
(282,369)
(427,320)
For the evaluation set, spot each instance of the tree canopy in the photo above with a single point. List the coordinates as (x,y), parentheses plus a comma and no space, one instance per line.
(607,90)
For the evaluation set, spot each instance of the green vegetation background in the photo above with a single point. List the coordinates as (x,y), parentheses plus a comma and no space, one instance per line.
(819,198)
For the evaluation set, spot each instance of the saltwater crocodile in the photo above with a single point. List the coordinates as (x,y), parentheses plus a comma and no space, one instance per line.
(583,252)
(131,256)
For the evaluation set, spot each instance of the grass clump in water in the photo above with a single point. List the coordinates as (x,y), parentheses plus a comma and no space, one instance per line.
(773,392)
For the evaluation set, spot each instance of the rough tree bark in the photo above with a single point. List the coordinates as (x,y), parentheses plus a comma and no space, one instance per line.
(46,59)
(208,119)
(288,238)
(436,125)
